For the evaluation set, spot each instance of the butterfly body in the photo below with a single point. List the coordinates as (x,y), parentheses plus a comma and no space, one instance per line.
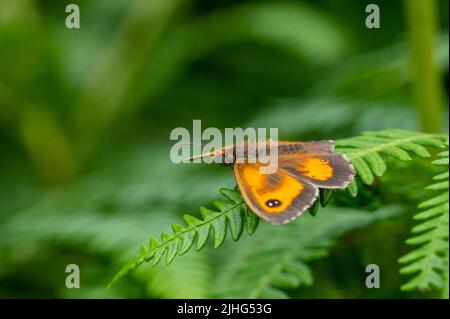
(303,168)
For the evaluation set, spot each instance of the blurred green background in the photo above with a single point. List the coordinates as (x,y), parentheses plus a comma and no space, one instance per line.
(85,118)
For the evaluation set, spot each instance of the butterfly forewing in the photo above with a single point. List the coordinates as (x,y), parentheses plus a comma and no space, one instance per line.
(277,198)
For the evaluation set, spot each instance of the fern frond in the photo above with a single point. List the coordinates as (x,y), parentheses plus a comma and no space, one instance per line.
(232,214)
(365,151)
(429,262)
(276,258)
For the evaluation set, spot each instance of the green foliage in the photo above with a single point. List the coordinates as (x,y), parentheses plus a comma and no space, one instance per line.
(429,261)
(85,117)
(364,153)
(187,277)
(276,259)
(232,215)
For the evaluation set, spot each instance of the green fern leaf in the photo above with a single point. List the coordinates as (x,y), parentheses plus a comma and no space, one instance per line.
(325,196)
(231,214)
(429,262)
(314,208)
(365,151)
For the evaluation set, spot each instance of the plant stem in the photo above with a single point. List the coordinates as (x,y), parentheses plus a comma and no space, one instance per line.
(422,22)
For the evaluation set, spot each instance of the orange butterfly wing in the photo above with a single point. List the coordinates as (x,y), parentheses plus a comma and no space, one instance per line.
(317,163)
(277,198)
(303,167)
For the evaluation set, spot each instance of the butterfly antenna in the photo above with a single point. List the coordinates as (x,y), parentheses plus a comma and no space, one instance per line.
(199,144)
(189,159)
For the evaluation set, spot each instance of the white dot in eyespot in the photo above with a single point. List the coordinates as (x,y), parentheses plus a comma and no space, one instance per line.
(273,203)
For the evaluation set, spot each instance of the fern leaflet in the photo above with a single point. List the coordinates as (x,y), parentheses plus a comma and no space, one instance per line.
(429,262)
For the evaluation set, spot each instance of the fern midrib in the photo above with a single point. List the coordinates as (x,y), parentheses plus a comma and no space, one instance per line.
(380,147)
(188,230)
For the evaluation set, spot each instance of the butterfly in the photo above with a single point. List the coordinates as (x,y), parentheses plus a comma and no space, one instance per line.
(303,168)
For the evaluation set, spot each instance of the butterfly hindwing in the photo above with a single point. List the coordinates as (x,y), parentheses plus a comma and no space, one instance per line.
(320,167)
(277,198)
